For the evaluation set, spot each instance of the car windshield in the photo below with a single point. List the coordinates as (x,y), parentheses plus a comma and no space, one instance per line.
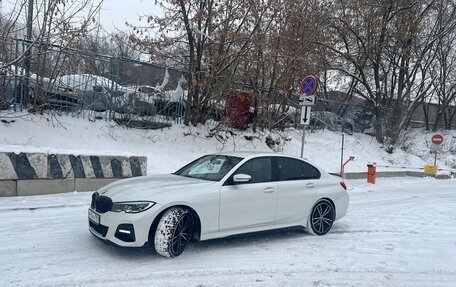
(209,167)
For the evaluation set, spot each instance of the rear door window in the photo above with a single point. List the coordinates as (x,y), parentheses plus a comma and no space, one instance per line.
(294,169)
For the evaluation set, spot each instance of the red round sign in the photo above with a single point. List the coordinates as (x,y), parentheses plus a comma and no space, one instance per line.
(309,85)
(437,139)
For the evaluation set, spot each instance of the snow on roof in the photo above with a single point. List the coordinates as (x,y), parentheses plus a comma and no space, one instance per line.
(87,82)
(244,154)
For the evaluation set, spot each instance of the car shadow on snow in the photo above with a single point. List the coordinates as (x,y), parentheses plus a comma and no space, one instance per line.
(120,252)
(259,240)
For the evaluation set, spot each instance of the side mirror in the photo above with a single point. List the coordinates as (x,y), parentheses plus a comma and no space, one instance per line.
(241,178)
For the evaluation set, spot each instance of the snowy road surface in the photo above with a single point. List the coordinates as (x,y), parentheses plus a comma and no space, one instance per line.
(401,232)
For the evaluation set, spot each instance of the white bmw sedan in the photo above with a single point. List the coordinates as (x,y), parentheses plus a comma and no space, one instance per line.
(215,196)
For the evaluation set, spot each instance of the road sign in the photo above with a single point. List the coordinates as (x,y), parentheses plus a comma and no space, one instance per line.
(305,115)
(308,88)
(435,148)
(307,100)
(437,139)
(309,85)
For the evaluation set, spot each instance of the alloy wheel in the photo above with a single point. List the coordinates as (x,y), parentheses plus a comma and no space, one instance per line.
(182,234)
(322,217)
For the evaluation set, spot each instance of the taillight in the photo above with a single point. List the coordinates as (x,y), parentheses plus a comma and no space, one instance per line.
(343,185)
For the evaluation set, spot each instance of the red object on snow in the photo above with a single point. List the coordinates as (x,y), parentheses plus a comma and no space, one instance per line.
(437,139)
(237,109)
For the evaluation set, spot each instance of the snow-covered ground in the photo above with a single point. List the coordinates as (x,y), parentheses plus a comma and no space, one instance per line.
(169,149)
(400,232)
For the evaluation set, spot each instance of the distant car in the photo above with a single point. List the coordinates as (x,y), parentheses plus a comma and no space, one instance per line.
(89,92)
(215,196)
(99,94)
(164,105)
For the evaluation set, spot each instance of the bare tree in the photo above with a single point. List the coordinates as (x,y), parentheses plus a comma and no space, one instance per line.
(208,37)
(57,25)
(60,24)
(282,53)
(444,69)
(386,46)
(229,44)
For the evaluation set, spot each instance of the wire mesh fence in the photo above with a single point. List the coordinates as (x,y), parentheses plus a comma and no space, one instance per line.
(94,86)
(138,94)
(335,115)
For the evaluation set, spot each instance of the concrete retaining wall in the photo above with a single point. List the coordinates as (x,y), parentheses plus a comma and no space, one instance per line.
(362,175)
(39,173)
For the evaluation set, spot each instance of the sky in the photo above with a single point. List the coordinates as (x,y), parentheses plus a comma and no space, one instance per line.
(115,13)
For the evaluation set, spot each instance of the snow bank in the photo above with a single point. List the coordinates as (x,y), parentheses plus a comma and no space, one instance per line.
(418,141)
(169,149)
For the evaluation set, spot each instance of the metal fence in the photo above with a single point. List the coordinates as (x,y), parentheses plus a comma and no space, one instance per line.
(335,115)
(340,116)
(94,86)
(133,93)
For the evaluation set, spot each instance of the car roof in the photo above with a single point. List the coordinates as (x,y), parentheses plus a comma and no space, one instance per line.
(250,154)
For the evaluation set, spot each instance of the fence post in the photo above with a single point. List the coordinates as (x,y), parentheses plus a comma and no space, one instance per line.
(342,155)
(15,91)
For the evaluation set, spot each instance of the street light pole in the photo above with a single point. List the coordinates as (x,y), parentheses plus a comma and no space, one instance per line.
(28,54)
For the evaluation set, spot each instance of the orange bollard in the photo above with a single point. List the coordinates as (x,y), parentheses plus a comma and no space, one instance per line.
(371,173)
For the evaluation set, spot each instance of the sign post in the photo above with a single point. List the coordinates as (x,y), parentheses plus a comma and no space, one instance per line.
(437,140)
(306,101)
(436,147)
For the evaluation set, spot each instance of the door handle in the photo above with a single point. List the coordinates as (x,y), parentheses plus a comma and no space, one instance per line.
(268,190)
(310,185)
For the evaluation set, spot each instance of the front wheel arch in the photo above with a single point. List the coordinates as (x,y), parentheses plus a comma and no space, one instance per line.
(154,224)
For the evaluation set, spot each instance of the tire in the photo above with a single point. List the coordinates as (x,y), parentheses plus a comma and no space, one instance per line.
(321,218)
(174,232)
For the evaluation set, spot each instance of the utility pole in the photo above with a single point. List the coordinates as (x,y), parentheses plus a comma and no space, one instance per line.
(28,54)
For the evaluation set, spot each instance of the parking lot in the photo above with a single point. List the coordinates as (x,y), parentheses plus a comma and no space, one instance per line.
(400,232)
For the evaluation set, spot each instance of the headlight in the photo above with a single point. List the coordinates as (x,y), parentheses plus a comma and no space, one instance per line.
(132,206)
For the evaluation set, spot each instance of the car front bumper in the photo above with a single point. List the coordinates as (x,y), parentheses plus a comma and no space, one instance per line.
(123,229)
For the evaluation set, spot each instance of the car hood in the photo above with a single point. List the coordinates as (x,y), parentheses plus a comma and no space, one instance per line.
(146,187)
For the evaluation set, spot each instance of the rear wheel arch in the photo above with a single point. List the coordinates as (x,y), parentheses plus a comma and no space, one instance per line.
(332,203)
(310,225)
